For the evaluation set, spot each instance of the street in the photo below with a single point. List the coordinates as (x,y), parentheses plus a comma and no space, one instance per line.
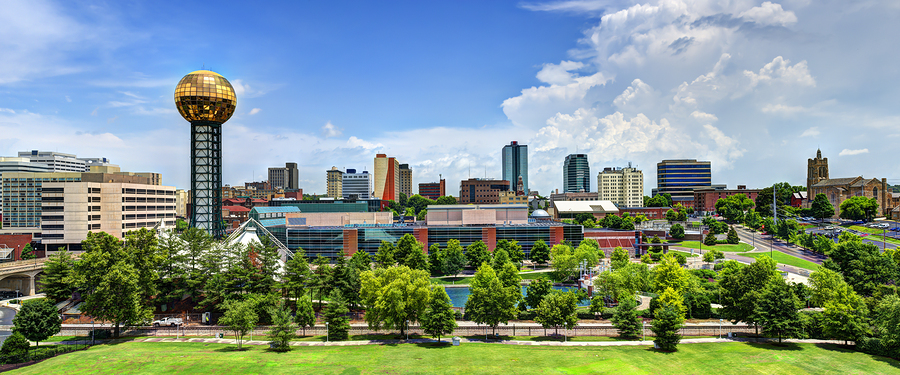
(6,317)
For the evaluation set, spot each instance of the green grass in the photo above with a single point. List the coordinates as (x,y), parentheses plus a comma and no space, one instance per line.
(739,248)
(786,259)
(685,253)
(451,280)
(469,358)
(874,234)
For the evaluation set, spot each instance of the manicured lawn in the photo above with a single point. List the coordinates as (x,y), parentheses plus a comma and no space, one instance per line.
(786,259)
(451,280)
(739,248)
(469,358)
(685,253)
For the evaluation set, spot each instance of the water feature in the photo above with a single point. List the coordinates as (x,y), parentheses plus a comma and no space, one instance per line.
(459,296)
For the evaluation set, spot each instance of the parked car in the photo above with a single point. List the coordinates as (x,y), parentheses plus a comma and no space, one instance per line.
(170,322)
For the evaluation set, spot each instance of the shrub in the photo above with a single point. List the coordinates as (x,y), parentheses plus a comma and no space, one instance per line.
(875,346)
(655,256)
(100,334)
(15,348)
(704,274)
(710,240)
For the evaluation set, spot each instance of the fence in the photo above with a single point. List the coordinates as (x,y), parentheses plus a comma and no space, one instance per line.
(502,330)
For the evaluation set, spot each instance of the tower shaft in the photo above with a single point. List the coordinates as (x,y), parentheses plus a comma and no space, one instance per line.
(206,177)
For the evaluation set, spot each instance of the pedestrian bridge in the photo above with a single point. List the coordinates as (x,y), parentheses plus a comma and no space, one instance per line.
(19,276)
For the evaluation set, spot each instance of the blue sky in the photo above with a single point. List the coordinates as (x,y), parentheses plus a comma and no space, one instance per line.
(753,86)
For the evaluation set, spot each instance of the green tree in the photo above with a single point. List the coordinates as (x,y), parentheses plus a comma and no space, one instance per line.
(240,318)
(844,322)
(732,237)
(296,275)
(740,288)
(501,257)
(626,319)
(563,261)
(671,215)
(821,207)
(490,302)
(283,329)
(587,254)
(37,320)
(540,252)
(509,275)
(417,259)
(887,321)
(15,348)
(709,257)
(516,255)
(436,259)
(393,296)
(27,252)
(670,274)
(406,245)
(619,258)
(384,258)
(677,232)
(445,200)
(668,320)
(710,240)
(477,253)
(306,317)
(536,291)
(558,309)
(419,203)
(57,280)
(777,309)
(439,318)
(336,317)
(321,277)
(454,260)
(859,208)
(180,225)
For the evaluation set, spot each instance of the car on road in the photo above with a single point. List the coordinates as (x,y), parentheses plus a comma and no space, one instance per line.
(170,322)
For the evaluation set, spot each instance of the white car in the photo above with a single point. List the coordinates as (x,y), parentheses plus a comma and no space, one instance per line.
(171,322)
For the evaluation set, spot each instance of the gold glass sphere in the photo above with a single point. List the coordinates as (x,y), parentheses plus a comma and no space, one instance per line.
(205,96)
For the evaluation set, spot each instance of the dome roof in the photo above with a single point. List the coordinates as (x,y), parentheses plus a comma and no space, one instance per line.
(540,214)
(204,95)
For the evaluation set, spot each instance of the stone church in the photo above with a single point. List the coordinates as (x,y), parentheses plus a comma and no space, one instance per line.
(839,189)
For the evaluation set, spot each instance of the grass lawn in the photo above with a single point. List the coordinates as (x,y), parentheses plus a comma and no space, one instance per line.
(786,259)
(469,358)
(739,248)
(451,280)
(685,253)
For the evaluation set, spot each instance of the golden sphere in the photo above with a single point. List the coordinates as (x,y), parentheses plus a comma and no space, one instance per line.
(205,96)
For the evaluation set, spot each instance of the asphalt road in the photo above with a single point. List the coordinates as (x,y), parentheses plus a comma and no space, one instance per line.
(765,243)
(6,317)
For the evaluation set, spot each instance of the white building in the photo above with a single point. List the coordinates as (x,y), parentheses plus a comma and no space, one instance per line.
(359,184)
(622,186)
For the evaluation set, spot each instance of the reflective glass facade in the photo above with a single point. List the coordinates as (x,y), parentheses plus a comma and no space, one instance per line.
(680,177)
(515,164)
(576,174)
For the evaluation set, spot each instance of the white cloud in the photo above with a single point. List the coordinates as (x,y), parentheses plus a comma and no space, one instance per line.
(329,130)
(569,6)
(536,104)
(68,99)
(7,110)
(811,132)
(769,14)
(783,109)
(849,152)
(559,74)
(254,111)
(704,117)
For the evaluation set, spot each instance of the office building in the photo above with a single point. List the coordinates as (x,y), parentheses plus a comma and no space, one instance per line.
(334,180)
(622,186)
(60,162)
(287,177)
(19,164)
(576,174)
(387,178)
(60,208)
(433,190)
(515,164)
(356,185)
(406,180)
(681,177)
(481,191)
(571,197)
(511,197)
(705,199)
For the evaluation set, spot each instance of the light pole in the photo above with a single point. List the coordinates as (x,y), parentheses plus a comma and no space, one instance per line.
(720,327)
(92,331)
(407,330)
(326,331)
(644,330)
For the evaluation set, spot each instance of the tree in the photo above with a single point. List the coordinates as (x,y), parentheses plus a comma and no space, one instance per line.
(670,274)
(445,200)
(419,203)
(336,317)
(435,259)
(619,258)
(677,231)
(709,257)
(454,260)
(490,302)
(477,253)
(57,280)
(668,320)
(887,321)
(733,207)
(501,257)
(283,329)
(844,322)
(710,240)
(859,208)
(740,288)
(777,309)
(439,318)
(562,258)
(27,252)
(558,309)
(306,317)
(516,255)
(509,275)
(587,254)
(393,296)
(406,245)
(15,348)
(732,237)
(821,207)
(626,319)
(536,291)
(417,259)
(385,256)
(321,278)
(240,318)
(296,275)
(540,252)
(863,265)
(671,215)
(37,320)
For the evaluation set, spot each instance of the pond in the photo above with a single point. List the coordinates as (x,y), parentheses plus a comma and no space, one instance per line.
(459,296)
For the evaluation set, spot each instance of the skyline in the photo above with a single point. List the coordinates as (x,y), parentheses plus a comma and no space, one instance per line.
(754,87)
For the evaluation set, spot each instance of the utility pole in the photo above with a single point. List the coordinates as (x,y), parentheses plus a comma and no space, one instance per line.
(774,222)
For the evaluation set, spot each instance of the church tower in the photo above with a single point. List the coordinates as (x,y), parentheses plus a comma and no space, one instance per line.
(817,171)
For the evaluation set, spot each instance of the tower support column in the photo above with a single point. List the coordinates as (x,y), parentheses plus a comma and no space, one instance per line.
(206,177)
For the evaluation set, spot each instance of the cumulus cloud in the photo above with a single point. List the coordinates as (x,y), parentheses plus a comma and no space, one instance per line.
(812,132)
(329,130)
(769,14)
(783,109)
(849,152)
(254,111)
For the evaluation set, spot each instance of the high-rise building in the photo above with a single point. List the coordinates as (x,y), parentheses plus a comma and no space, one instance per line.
(515,164)
(576,174)
(622,186)
(62,162)
(406,180)
(334,180)
(387,178)
(287,177)
(477,190)
(19,164)
(433,190)
(356,185)
(207,100)
(680,177)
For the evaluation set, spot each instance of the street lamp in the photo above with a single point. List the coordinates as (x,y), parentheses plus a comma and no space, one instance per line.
(326,331)
(721,321)
(92,330)
(407,330)
(643,331)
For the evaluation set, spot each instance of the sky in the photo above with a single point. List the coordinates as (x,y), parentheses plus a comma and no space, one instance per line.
(755,87)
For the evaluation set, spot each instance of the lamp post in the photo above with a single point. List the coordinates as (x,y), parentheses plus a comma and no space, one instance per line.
(92,330)
(720,327)
(407,330)
(326,331)
(643,330)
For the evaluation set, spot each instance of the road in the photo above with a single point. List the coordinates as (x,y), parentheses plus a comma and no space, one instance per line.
(765,243)
(6,317)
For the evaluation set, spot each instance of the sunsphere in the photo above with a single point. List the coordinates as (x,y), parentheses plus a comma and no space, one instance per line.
(205,96)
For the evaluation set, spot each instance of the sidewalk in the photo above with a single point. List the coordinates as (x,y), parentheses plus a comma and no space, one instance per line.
(448,340)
